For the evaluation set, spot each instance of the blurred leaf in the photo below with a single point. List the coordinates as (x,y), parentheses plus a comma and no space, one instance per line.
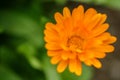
(100,2)
(43,19)
(114,4)
(26,49)
(20,25)
(6,55)
(86,74)
(35,63)
(85,1)
(17,24)
(50,71)
(29,51)
(7,74)
(61,1)
(1,29)
(110,3)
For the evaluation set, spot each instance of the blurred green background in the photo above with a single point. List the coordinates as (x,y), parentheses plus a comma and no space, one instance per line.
(22,52)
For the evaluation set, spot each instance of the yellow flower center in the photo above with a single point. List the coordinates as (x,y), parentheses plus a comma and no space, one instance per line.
(75,43)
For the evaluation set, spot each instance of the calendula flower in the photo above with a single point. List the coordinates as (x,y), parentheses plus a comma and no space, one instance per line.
(78,37)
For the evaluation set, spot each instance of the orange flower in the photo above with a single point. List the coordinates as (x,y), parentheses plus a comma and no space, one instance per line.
(78,37)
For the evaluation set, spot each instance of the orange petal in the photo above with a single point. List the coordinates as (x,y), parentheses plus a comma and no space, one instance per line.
(77,14)
(89,14)
(58,17)
(72,63)
(100,55)
(53,46)
(65,55)
(51,33)
(55,59)
(95,54)
(104,48)
(82,57)
(66,12)
(72,55)
(92,43)
(54,53)
(51,39)
(88,62)
(50,26)
(103,36)
(68,26)
(51,36)
(90,55)
(97,20)
(100,29)
(110,40)
(78,69)
(90,24)
(78,11)
(60,28)
(62,66)
(103,19)
(96,63)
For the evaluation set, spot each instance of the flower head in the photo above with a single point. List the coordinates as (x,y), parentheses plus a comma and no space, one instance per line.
(78,37)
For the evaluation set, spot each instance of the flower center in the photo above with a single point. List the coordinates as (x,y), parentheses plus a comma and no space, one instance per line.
(75,43)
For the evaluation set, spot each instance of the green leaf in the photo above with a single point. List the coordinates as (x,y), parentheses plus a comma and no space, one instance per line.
(8,74)
(1,29)
(114,4)
(100,2)
(35,63)
(7,56)
(27,49)
(61,1)
(29,52)
(50,70)
(20,25)
(85,1)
